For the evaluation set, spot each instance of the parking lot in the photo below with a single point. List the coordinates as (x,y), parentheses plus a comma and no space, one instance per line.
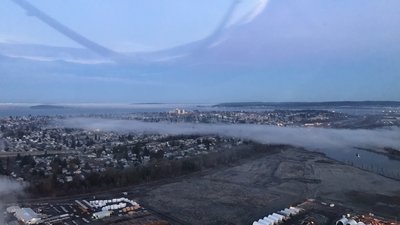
(85,211)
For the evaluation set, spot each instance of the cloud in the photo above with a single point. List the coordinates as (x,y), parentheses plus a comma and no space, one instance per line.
(8,186)
(311,138)
(9,189)
(65,59)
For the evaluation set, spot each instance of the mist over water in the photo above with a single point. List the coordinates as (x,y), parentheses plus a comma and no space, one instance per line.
(312,138)
(339,144)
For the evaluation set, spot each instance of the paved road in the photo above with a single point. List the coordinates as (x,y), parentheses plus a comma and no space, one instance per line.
(36,153)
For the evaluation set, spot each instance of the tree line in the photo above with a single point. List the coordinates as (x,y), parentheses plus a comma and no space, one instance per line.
(157,168)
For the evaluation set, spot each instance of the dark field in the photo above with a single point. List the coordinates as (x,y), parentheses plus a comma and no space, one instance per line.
(250,190)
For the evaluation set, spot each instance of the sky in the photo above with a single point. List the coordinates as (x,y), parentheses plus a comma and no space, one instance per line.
(276,50)
(122,25)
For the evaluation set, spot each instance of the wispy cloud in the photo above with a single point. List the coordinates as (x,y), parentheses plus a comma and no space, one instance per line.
(53,59)
(260,7)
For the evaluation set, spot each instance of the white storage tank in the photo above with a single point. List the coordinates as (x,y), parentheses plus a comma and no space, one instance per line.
(342,221)
(351,222)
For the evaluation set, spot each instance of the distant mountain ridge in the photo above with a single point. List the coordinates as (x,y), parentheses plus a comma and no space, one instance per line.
(47,107)
(312,104)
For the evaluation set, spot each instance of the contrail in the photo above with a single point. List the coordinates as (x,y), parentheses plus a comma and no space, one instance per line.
(185,49)
(95,47)
(225,20)
(257,11)
(196,46)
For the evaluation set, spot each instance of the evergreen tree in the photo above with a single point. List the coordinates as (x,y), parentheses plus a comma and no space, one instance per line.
(2,170)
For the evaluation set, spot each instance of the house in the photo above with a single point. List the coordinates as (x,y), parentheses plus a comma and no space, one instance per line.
(68,178)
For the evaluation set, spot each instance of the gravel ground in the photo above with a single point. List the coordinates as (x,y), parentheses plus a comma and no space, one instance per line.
(242,193)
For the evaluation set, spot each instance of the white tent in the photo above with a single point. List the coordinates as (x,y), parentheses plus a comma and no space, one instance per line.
(269,220)
(285,213)
(297,210)
(263,222)
(279,216)
(289,212)
(275,218)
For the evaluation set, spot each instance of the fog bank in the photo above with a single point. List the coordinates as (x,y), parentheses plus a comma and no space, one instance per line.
(311,138)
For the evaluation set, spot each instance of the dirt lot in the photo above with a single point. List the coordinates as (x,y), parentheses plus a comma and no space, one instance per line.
(245,192)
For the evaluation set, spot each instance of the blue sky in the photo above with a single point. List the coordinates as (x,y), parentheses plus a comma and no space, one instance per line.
(308,50)
(120,24)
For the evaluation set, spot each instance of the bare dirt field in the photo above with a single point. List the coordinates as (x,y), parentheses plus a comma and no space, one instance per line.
(253,188)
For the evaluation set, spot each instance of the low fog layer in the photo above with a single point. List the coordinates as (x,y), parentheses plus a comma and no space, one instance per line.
(8,190)
(311,138)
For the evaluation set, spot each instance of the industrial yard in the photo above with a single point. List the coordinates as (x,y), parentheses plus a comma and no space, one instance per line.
(121,211)
(313,212)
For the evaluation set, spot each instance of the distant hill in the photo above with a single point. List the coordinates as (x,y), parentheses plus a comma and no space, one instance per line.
(47,107)
(148,103)
(312,104)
